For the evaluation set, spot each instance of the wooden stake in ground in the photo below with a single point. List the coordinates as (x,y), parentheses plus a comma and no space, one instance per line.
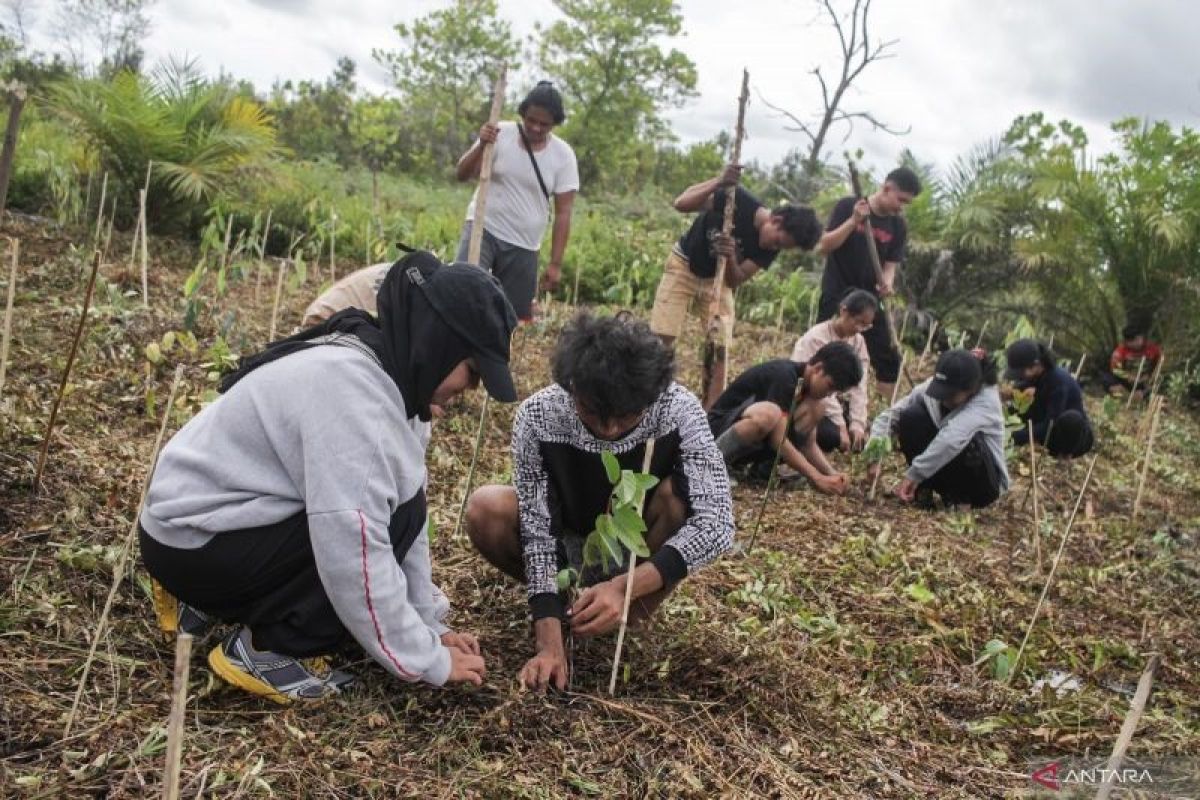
(15,247)
(903,326)
(16,102)
(982,331)
(787,429)
(100,213)
(895,390)
(1033,487)
(262,254)
(332,246)
(1136,381)
(62,386)
(278,296)
(183,655)
(474,247)
(1054,566)
(1155,411)
(612,679)
(1128,727)
(1079,369)
(928,343)
(872,250)
(123,558)
(715,349)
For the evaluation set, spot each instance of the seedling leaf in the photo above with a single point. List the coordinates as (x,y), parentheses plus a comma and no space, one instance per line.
(611,466)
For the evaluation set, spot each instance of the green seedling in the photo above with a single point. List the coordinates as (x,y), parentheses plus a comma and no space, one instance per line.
(877,448)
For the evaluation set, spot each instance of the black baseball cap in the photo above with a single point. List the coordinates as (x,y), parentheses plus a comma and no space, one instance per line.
(1021,354)
(472,303)
(956,371)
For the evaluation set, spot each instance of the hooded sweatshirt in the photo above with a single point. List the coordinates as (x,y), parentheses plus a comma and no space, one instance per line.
(981,414)
(1055,393)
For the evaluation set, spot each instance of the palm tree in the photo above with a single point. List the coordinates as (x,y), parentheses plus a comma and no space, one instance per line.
(201,136)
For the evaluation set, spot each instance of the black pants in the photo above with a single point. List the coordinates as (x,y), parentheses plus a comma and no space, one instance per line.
(1070,435)
(884,358)
(971,477)
(1109,380)
(266,578)
(829,436)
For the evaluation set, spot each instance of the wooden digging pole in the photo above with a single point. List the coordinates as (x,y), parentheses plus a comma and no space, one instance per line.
(15,248)
(715,346)
(62,386)
(16,103)
(612,679)
(474,248)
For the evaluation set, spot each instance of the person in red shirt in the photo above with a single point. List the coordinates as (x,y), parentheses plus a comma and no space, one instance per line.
(1135,353)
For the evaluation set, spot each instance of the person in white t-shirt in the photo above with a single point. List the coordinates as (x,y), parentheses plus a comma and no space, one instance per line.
(518,203)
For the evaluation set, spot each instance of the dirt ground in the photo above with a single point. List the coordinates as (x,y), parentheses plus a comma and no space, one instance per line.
(844,657)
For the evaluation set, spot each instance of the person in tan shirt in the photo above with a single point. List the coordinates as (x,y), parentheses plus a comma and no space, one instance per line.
(356,290)
(856,313)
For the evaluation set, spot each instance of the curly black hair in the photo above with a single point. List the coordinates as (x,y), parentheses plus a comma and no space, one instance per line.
(801,223)
(612,365)
(840,363)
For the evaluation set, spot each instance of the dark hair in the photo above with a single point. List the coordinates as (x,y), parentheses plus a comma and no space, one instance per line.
(857,301)
(801,223)
(614,365)
(547,97)
(905,180)
(840,363)
(1132,331)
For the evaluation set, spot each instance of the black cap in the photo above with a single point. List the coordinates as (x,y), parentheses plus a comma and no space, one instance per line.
(956,371)
(1021,354)
(472,303)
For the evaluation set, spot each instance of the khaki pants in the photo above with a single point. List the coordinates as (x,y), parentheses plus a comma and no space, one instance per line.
(677,290)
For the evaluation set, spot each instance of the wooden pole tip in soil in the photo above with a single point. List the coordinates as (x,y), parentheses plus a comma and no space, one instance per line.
(612,680)
(62,386)
(15,248)
(183,655)
(1128,727)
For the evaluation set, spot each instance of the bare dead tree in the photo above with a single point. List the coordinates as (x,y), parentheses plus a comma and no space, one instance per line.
(858,51)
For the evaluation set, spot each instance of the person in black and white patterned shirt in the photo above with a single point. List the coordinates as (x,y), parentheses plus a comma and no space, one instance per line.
(613,390)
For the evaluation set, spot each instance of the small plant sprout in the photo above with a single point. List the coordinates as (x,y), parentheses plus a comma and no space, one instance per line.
(885,446)
(625,523)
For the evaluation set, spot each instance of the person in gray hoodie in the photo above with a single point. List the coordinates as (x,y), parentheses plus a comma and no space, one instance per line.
(294,508)
(951,431)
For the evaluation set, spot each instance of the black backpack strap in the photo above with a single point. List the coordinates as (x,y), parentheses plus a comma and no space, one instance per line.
(536,169)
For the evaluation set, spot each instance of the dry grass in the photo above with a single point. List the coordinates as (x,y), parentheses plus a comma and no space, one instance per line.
(836,661)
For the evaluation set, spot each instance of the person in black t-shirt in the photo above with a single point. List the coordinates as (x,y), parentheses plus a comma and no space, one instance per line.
(758,236)
(749,419)
(848,261)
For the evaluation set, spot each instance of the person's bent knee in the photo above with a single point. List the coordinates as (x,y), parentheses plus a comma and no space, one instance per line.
(491,511)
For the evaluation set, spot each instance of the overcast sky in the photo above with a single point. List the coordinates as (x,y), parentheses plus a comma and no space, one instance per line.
(962,69)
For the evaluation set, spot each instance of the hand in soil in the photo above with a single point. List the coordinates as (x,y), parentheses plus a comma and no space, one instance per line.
(466,667)
(906,490)
(466,642)
(598,609)
(832,484)
(547,668)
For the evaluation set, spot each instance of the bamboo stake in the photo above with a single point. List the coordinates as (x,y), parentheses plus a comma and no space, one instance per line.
(1079,369)
(262,254)
(891,405)
(100,213)
(123,558)
(474,246)
(332,246)
(15,244)
(612,679)
(716,349)
(982,331)
(1054,566)
(1037,522)
(183,654)
(1156,377)
(575,291)
(928,343)
(62,387)
(278,297)
(812,310)
(145,248)
(1129,726)
(1137,380)
(962,339)
(112,218)
(1154,417)
(903,328)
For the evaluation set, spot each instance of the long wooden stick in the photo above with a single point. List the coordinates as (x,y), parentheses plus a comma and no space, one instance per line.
(462,506)
(1037,522)
(1054,566)
(183,654)
(891,405)
(982,331)
(1079,369)
(145,251)
(1128,727)
(278,296)
(1136,381)
(123,558)
(612,680)
(787,429)
(62,386)
(715,348)
(15,245)
(1154,417)
(928,343)
(100,212)
(475,244)
(332,247)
